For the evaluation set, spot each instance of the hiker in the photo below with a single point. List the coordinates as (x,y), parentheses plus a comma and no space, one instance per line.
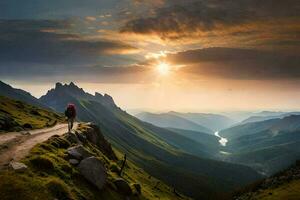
(70,113)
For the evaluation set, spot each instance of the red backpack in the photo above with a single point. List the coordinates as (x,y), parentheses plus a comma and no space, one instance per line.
(70,111)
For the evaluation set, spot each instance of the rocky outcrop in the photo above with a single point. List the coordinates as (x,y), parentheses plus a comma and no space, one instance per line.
(93,134)
(123,187)
(72,138)
(93,170)
(78,152)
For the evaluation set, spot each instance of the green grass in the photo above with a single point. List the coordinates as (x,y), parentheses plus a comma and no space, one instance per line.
(288,191)
(158,152)
(16,115)
(51,176)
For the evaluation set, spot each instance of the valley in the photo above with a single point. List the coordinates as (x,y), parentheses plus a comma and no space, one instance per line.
(171,147)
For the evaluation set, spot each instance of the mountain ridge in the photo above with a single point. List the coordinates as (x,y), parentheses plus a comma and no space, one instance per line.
(18,94)
(155,149)
(167,120)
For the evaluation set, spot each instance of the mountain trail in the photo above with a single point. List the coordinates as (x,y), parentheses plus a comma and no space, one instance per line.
(16,145)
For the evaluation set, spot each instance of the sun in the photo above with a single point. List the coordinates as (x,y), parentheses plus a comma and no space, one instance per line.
(163,68)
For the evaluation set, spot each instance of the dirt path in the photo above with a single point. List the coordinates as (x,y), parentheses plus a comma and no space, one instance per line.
(16,145)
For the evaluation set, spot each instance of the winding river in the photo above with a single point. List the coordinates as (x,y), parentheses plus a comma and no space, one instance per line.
(222,141)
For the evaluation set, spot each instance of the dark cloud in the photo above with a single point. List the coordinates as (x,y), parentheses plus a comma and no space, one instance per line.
(54,9)
(89,74)
(47,49)
(182,18)
(49,42)
(231,63)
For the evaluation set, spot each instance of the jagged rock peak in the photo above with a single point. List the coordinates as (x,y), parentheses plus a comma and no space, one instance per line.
(97,94)
(58,85)
(71,85)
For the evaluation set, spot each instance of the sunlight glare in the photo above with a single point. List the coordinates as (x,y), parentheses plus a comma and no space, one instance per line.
(163,68)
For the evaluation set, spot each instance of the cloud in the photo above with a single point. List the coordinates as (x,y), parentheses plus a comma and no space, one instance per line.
(88,74)
(230,63)
(199,19)
(54,9)
(49,49)
(49,42)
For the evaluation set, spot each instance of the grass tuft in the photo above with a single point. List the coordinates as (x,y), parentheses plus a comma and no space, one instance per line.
(59,189)
(42,163)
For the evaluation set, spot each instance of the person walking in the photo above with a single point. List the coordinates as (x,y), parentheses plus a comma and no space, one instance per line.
(70,113)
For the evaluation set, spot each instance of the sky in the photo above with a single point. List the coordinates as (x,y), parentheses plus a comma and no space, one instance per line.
(182,55)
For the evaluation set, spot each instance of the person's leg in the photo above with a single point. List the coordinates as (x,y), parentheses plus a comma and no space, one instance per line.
(69,124)
(72,121)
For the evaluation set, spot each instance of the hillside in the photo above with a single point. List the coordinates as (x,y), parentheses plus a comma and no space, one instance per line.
(207,140)
(161,152)
(167,120)
(267,146)
(283,185)
(55,171)
(16,115)
(247,129)
(214,122)
(18,94)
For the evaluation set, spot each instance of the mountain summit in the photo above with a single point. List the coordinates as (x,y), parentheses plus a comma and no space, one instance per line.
(63,94)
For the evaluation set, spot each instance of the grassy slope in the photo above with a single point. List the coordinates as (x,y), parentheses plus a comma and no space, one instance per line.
(15,114)
(207,141)
(50,176)
(289,191)
(283,185)
(269,160)
(18,94)
(156,150)
(203,178)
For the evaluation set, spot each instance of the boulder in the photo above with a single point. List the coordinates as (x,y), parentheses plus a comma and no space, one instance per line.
(74,162)
(78,152)
(123,187)
(17,166)
(92,169)
(81,136)
(72,138)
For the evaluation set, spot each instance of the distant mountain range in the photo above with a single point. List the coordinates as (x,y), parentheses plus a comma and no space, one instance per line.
(215,122)
(169,120)
(200,122)
(274,115)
